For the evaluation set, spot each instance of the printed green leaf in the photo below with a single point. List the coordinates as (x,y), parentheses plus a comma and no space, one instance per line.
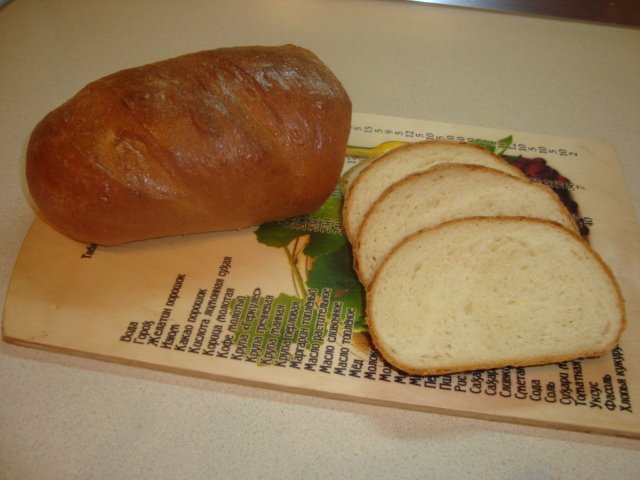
(503,145)
(331,208)
(323,243)
(275,235)
(334,270)
(353,298)
(498,147)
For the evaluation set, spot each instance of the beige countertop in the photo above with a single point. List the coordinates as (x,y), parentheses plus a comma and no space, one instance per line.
(65,417)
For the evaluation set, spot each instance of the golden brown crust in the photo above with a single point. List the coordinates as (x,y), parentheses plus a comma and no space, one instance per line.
(515,362)
(208,141)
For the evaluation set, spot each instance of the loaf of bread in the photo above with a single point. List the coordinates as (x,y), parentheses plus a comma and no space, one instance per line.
(482,293)
(209,141)
(396,164)
(447,192)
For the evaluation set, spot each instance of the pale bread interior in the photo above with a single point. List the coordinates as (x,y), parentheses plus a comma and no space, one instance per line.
(446,192)
(348,177)
(489,292)
(396,164)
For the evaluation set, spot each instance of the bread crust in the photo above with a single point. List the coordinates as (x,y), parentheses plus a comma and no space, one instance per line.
(437,169)
(208,141)
(352,230)
(514,362)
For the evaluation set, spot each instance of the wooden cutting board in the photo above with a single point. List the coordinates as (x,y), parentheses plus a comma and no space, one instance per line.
(278,306)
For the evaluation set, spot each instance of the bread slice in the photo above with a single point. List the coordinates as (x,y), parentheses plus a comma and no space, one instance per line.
(492,292)
(446,192)
(396,164)
(366,154)
(350,175)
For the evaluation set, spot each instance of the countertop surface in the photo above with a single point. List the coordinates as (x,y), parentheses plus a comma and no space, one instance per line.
(66,417)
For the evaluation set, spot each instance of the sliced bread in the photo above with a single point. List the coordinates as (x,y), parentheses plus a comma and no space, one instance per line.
(350,175)
(396,164)
(447,192)
(492,292)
